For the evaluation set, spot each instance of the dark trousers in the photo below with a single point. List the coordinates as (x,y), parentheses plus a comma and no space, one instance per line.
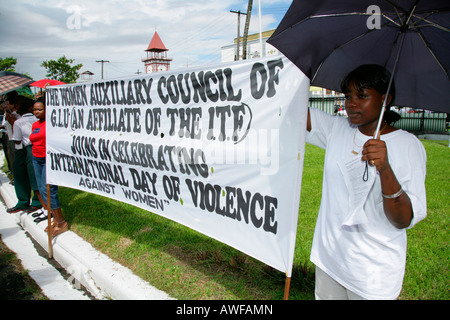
(24,179)
(9,154)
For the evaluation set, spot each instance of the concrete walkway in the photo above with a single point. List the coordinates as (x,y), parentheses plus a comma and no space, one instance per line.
(100,275)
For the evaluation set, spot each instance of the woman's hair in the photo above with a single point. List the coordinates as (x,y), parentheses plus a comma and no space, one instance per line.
(25,105)
(12,97)
(41,100)
(372,76)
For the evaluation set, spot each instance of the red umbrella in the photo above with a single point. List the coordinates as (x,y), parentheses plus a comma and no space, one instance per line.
(44,83)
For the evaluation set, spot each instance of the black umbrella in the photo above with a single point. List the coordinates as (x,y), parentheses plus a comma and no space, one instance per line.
(327,39)
(11,81)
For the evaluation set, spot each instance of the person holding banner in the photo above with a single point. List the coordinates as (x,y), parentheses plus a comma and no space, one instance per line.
(23,172)
(37,137)
(373,190)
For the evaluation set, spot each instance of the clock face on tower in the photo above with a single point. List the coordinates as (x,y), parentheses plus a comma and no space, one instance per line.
(149,69)
(162,68)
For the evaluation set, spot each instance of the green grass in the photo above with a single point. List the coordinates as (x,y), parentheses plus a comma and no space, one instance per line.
(189,265)
(428,253)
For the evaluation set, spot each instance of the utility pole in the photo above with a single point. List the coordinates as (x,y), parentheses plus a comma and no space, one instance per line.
(238,32)
(247,24)
(260,30)
(102,61)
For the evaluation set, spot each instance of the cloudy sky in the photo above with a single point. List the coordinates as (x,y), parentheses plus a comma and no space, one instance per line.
(120,30)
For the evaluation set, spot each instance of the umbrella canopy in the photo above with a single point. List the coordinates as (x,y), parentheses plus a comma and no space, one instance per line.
(44,83)
(327,39)
(11,81)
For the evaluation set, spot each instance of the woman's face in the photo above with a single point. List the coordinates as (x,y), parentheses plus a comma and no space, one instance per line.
(363,108)
(39,110)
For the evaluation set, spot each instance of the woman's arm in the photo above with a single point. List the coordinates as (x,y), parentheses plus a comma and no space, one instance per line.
(397,205)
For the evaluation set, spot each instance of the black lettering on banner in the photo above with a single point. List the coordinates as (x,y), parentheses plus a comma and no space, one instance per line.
(84,146)
(92,184)
(60,118)
(77,118)
(273,76)
(125,106)
(199,86)
(107,93)
(87,167)
(152,120)
(113,119)
(187,120)
(259,78)
(73,96)
(174,159)
(210,85)
(240,115)
(52,97)
(235,203)
(171,187)
(185,92)
(147,199)
(144,181)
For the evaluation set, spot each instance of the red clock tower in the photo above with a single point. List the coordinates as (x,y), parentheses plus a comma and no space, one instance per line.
(156,56)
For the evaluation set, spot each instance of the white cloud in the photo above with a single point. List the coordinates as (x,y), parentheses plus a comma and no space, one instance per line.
(120,30)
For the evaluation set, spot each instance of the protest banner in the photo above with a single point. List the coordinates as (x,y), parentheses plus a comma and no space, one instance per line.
(218,149)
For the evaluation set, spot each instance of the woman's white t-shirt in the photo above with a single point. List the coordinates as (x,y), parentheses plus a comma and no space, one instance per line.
(367,258)
(22,129)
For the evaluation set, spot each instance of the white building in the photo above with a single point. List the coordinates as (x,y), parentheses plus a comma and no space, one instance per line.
(253,47)
(253,51)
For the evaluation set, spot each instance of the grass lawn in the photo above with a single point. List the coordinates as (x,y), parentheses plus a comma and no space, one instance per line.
(189,265)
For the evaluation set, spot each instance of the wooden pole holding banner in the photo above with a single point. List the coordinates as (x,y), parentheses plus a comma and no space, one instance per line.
(49,227)
(287,286)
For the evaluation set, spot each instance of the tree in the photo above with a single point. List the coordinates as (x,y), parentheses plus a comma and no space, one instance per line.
(8,64)
(62,70)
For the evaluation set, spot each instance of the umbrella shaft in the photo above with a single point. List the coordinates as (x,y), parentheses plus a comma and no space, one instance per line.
(383,108)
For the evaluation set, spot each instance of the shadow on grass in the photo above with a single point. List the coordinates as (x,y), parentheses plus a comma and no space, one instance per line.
(174,258)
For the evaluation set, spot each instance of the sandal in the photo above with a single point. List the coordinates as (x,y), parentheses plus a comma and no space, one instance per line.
(59,227)
(53,226)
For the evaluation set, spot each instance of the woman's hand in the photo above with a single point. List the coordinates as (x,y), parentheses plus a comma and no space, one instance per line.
(10,118)
(375,152)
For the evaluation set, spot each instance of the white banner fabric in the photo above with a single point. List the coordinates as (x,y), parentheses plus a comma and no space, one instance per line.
(218,149)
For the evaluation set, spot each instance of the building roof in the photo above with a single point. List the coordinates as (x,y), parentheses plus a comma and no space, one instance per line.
(255,36)
(156,45)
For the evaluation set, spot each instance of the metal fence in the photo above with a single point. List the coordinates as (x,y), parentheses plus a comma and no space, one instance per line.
(415,121)
(422,121)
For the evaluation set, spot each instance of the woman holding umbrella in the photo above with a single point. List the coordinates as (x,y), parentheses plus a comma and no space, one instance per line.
(359,245)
